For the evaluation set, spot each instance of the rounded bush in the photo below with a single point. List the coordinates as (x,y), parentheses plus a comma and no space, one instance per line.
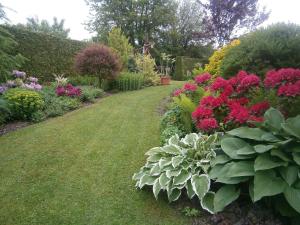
(98,60)
(23,103)
(215,61)
(274,47)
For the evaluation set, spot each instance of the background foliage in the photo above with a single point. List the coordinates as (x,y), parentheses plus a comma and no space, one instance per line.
(46,54)
(274,47)
(183,65)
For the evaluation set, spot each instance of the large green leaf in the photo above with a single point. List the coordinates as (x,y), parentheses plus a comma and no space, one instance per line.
(177,160)
(201,184)
(224,196)
(248,133)
(292,126)
(289,174)
(182,177)
(266,161)
(232,180)
(231,145)
(147,180)
(164,180)
(216,171)
(240,169)
(296,157)
(248,150)
(281,154)
(220,159)
(266,183)
(207,202)
(273,119)
(156,188)
(292,196)
(263,148)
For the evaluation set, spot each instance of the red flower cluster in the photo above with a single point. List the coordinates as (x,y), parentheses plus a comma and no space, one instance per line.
(177,92)
(201,79)
(190,87)
(68,90)
(225,106)
(286,80)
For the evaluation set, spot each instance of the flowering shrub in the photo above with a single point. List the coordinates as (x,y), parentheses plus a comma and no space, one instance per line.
(68,90)
(215,61)
(235,102)
(23,103)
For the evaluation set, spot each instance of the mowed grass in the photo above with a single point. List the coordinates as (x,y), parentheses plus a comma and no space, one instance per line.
(77,169)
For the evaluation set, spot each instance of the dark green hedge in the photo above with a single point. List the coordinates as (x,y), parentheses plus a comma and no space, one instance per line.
(46,54)
(184,64)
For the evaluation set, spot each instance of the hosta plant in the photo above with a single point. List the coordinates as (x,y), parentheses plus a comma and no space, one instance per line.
(180,165)
(265,159)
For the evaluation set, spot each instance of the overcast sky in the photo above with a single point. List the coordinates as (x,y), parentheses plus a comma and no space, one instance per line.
(76,12)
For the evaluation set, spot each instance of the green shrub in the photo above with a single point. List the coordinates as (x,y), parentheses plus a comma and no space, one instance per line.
(89,93)
(180,165)
(46,54)
(4,111)
(130,81)
(171,124)
(23,103)
(274,47)
(184,66)
(266,160)
(146,65)
(55,105)
(83,81)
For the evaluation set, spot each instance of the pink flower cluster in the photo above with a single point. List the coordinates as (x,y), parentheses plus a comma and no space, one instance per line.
(287,81)
(68,90)
(187,88)
(201,79)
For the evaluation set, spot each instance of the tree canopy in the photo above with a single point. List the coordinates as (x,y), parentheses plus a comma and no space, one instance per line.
(56,28)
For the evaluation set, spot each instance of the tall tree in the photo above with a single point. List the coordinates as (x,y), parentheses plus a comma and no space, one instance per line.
(56,28)
(224,18)
(138,19)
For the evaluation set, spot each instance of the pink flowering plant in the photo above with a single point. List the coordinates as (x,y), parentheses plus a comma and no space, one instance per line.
(242,99)
(68,90)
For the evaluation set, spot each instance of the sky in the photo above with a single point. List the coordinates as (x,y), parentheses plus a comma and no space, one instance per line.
(76,12)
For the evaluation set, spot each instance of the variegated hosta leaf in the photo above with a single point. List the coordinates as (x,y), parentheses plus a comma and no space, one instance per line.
(146,180)
(154,158)
(173,173)
(172,149)
(200,184)
(190,139)
(207,202)
(156,188)
(174,140)
(174,195)
(177,160)
(155,170)
(190,190)
(182,177)
(153,151)
(164,162)
(164,180)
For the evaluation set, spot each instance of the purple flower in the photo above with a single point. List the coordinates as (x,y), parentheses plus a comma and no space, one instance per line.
(2,89)
(33,79)
(10,83)
(33,86)
(19,74)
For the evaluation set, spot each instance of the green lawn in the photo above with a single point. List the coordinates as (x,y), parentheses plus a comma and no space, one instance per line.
(77,169)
